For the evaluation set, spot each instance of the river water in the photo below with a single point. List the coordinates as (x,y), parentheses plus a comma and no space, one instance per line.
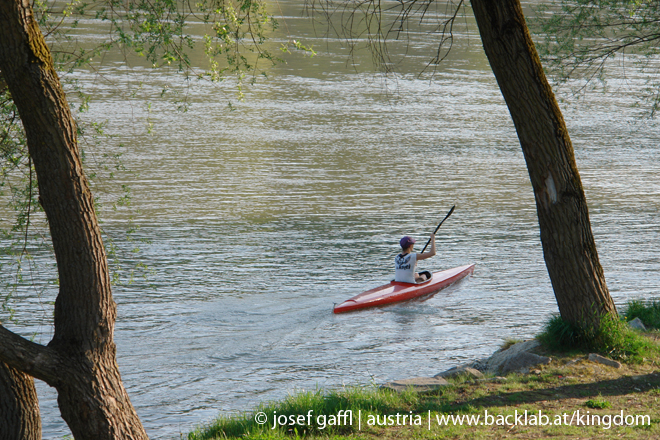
(259,219)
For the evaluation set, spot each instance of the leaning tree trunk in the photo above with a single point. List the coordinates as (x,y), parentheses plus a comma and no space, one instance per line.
(568,244)
(80,360)
(19,407)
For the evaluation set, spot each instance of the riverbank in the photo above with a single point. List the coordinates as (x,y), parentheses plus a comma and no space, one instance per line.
(572,395)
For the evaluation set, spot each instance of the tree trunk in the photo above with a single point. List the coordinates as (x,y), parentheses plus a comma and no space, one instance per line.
(80,360)
(568,244)
(19,407)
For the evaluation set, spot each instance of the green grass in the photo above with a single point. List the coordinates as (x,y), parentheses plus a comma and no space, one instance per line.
(318,405)
(597,403)
(648,312)
(509,342)
(612,338)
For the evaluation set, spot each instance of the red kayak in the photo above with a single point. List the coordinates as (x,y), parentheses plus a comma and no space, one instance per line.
(397,291)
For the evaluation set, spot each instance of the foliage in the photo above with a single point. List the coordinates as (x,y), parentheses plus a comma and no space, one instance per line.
(509,342)
(18,185)
(231,35)
(647,312)
(611,336)
(579,39)
(376,25)
(23,228)
(597,403)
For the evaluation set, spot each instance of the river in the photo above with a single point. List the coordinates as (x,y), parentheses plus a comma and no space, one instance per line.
(259,219)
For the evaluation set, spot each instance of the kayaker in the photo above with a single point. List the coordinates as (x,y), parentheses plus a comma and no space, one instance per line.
(406,261)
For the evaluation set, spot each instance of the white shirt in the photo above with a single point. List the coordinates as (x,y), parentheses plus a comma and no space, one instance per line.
(404,267)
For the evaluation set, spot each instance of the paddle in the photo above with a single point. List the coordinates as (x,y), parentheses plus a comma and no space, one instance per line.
(436,229)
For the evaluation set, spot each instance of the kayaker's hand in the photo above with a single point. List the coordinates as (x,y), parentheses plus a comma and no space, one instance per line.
(429,253)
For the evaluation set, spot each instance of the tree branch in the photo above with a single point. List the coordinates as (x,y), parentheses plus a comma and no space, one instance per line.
(38,361)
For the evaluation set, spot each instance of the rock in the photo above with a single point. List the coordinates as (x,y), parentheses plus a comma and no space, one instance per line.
(522,362)
(573,362)
(463,370)
(593,357)
(420,384)
(479,365)
(496,361)
(637,324)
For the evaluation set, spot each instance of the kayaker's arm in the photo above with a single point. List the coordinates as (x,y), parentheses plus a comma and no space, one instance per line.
(430,253)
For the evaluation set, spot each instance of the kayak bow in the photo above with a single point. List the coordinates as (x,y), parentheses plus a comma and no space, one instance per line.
(396,291)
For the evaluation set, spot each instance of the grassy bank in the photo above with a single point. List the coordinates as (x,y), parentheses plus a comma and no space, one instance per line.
(571,397)
(648,312)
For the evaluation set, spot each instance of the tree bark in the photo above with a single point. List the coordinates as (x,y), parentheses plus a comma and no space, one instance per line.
(80,360)
(568,243)
(19,407)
